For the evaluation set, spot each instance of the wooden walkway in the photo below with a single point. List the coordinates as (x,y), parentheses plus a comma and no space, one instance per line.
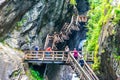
(52,56)
(61,57)
(45,57)
(52,40)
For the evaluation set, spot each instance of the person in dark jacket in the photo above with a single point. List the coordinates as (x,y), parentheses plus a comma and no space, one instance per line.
(81,62)
(36,51)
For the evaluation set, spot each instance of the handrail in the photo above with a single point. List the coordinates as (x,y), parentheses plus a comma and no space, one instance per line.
(61,56)
(80,68)
(87,68)
(93,74)
(42,53)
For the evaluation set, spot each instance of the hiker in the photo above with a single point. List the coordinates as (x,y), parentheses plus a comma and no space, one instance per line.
(75,53)
(81,61)
(48,51)
(36,51)
(36,48)
(66,51)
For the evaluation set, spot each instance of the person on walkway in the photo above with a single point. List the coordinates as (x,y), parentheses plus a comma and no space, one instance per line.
(48,51)
(36,51)
(66,54)
(66,51)
(75,53)
(36,48)
(81,61)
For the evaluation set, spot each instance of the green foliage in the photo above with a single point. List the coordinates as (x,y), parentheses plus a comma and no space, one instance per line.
(34,75)
(117,15)
(116,57)
(16,73)
(100,13)
(73,2)
(20,23)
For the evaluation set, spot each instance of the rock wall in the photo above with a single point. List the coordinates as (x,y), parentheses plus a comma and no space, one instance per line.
(25,23)
(109,45)
(11,64)
(11,11)
(59,72)
(43,17)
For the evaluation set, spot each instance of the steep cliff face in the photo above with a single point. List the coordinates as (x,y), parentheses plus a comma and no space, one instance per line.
(109,46)
(43,17)
(11,11)
(11,65)
(24,24)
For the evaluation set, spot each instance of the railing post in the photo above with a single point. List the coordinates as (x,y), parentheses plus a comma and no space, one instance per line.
(86,56)
(43,54)
(31,55)
(63,53)
(56,55)
(92,55)
(53,55)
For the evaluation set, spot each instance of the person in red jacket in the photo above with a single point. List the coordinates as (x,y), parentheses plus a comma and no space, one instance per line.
(75,54)
(48,51)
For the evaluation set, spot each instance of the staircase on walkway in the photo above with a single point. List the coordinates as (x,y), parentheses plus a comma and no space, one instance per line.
(52,40)
(61,57)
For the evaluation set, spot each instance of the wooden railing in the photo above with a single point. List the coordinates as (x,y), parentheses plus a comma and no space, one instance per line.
(84,72)
(82,18)
(88,55)
(53,55)
(78,69)
(89,71)
(45,55)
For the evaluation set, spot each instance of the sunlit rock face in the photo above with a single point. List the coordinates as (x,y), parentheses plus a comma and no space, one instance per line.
(46,16)
(11,64)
